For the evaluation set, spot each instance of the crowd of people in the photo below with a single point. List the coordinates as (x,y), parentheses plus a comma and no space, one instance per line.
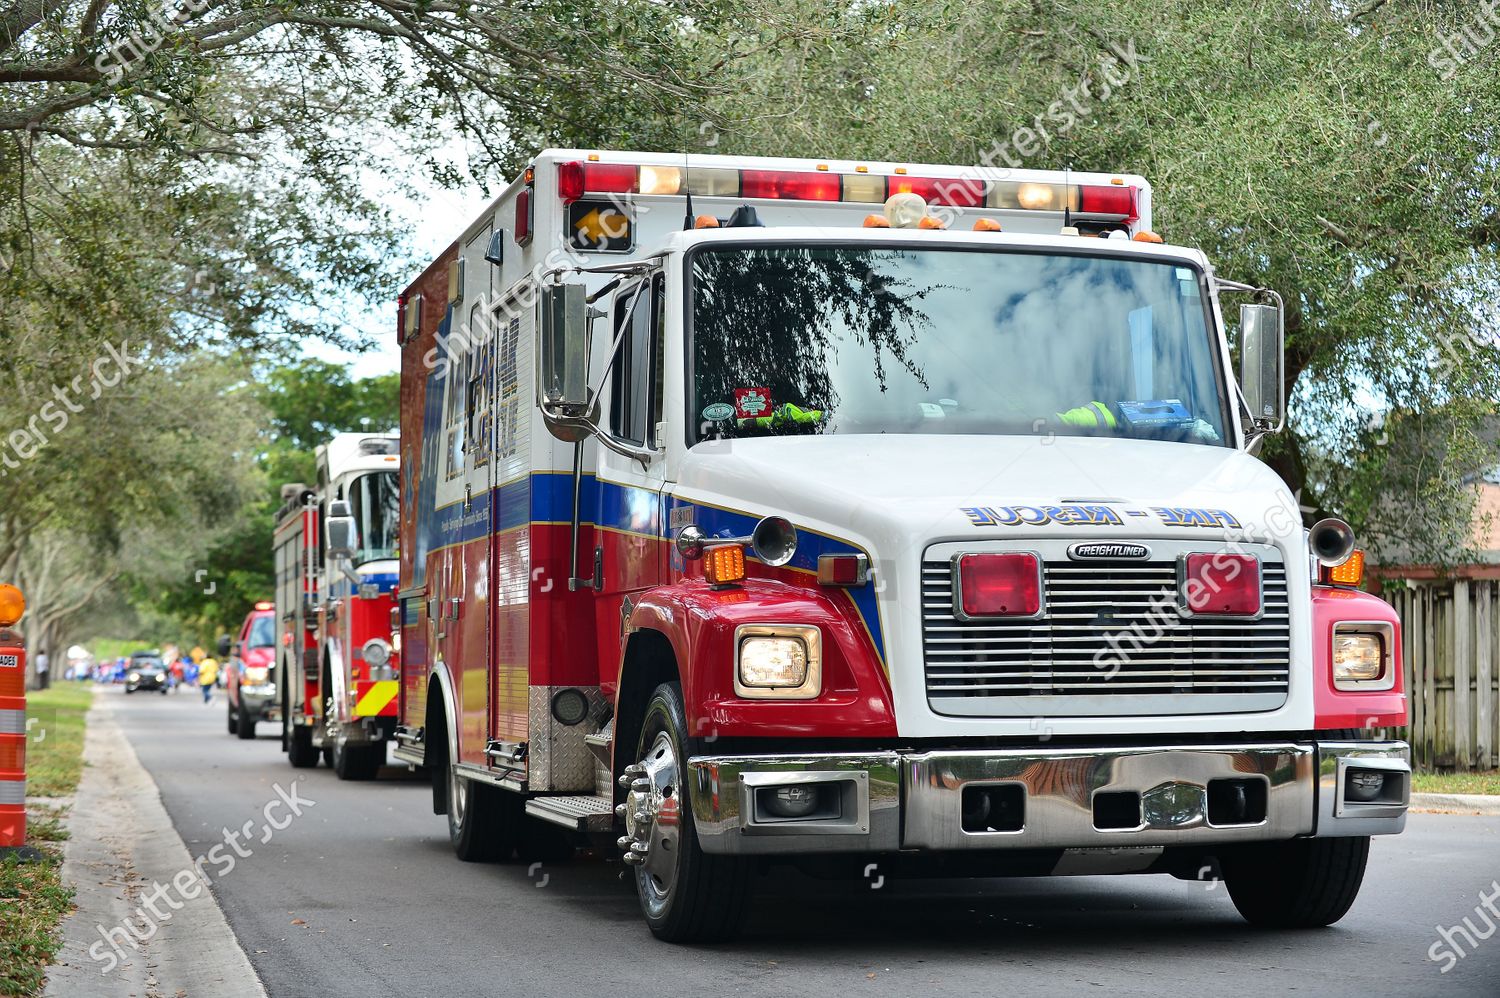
(182,671)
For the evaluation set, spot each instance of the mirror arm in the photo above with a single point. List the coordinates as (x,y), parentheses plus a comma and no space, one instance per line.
(345,566)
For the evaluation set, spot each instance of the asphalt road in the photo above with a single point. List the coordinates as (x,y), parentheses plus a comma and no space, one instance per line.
(362,896)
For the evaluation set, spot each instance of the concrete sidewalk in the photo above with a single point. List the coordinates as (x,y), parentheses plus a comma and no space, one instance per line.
(121,846)
(1485,804)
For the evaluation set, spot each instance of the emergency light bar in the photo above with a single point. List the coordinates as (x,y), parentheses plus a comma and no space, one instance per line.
(1117,200)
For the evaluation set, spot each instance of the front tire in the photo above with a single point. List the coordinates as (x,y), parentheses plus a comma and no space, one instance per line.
(1302,884)
(244,723)
(234,721)
(301,752)
(686,894)
(357,762)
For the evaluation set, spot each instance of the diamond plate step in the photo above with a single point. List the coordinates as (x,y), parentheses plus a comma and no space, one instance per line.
(580,813)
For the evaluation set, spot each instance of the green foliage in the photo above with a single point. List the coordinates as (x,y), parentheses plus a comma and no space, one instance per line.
(304,403)
(1300,146)
(33,897)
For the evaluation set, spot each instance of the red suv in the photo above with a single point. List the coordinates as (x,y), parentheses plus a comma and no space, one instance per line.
(250,678)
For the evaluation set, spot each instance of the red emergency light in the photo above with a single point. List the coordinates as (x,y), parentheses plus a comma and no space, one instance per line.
(1110,201)
(999,585)
(793,186)
(1220,584)
(957,192)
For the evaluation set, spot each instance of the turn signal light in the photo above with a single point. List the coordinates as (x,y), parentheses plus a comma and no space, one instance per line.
(724,564)
(1220,584)
(1350,573)
(999,585)
(843,569)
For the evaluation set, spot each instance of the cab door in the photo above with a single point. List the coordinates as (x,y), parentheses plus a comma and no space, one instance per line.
(628,518)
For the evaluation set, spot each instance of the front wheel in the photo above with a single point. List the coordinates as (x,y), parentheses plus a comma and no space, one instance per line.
(687,895)
(301,752)
(1301,884)
(234,721)
(357,762)
(244,723)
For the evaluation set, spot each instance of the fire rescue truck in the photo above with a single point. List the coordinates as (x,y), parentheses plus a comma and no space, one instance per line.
(335,558)
(850,512)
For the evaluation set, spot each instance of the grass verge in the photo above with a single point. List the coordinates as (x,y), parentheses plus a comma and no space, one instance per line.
(33,897)
(1457,783)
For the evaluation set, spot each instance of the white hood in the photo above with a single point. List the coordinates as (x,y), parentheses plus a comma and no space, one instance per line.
(895,496)
(902,487)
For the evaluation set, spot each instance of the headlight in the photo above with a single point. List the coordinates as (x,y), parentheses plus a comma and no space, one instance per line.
(1362,658)
(134,677)
(778,661)
(377,653)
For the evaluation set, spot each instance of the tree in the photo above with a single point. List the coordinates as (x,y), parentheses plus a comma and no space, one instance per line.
(1343,154)
(304,404)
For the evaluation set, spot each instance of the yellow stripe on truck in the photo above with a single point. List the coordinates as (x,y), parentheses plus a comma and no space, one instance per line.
(376,698)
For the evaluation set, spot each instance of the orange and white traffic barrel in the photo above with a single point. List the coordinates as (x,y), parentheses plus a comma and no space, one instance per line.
(12,721)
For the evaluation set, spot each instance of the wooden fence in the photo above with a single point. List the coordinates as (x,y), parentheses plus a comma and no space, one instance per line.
(1451,651)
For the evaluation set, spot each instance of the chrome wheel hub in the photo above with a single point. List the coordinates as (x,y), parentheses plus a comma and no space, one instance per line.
(653,817)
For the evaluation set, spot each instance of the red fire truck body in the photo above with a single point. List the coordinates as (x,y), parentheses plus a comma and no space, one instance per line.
(338,667)
(717,616)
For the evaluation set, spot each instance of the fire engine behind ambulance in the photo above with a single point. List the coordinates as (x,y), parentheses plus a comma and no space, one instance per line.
(335,556)
(872,512)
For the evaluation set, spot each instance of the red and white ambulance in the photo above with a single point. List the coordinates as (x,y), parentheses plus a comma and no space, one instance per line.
(335,555)
(858,512)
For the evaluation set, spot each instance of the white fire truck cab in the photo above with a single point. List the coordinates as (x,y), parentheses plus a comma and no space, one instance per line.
(837,511)
(335,558)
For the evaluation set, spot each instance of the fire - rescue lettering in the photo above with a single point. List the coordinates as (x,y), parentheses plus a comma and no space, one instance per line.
(1094,516)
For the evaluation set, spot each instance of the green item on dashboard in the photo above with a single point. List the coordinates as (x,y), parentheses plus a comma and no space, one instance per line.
(786,414)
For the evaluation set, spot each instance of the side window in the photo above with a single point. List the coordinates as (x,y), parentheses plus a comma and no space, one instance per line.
(632,381)
(478,412)
(508,387)
(457,377)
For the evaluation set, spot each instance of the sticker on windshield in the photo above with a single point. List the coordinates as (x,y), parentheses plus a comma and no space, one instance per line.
(716,411)
(1156,412)
(752,403)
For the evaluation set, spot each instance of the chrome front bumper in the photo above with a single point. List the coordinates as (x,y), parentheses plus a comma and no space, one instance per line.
(889,801)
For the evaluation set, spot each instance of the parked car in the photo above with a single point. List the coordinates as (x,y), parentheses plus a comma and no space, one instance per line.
(248,677)
(146,671)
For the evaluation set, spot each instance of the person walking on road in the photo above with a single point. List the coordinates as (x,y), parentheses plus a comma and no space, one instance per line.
(208,674)
(43,670)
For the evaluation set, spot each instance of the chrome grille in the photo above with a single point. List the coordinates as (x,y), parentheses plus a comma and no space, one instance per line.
(1109,630)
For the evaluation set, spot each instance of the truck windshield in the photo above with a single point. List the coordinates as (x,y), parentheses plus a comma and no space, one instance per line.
(263,632)
(375,502)
(855,339)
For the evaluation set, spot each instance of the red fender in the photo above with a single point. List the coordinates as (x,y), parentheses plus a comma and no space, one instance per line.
(699,622)
(1333,708)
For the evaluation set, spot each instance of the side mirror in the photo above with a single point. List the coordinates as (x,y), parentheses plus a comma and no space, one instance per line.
(563,370)
(343,539)
(1262,364)
(223,646)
